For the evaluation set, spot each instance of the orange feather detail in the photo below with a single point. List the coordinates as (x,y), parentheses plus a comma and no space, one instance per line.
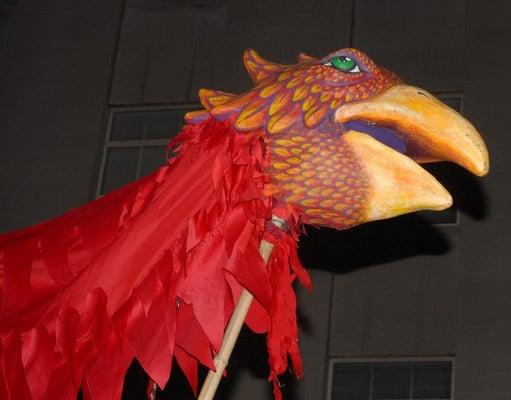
(232,106)
(211,98)
(315,115)
(270,90)
(257,67)
(316,88)
(280,101)
(283,120)
(300,93)
(253,116)
(308,103)
(295,81)
(325,96)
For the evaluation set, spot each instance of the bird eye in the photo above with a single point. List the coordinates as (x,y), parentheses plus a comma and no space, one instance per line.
(344,64)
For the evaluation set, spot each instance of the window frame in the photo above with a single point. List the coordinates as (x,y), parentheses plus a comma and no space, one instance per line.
(369,360)
(441,95)
(138,143)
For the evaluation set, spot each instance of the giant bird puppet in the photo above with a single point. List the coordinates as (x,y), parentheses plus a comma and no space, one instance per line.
(153,270)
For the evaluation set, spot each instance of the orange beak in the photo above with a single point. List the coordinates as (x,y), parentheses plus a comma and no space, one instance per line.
(432,132)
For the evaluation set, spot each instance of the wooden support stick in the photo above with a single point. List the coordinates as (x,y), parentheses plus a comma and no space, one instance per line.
(231,334)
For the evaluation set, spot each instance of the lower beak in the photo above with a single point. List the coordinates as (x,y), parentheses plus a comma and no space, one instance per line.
(396,184)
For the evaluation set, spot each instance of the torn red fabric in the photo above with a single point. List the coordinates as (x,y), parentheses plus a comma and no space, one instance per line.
(151,271)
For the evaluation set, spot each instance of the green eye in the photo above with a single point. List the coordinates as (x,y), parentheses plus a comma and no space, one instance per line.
(344,64)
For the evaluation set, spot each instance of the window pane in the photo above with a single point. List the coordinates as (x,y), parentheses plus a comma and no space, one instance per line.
(351,382)
(5,27)
(120,168)
(432,380)
(152,158)
(128,126)
(7,3)
(163,124)
(391,380)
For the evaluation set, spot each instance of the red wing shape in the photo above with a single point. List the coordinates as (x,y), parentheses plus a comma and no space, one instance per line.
(150,271)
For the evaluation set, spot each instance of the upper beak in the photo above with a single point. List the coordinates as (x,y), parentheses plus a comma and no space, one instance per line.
(432,130)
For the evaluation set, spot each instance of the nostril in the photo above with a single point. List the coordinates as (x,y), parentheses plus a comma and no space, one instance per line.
(422,93)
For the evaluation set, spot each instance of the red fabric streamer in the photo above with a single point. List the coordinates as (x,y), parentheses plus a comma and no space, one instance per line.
(151,271)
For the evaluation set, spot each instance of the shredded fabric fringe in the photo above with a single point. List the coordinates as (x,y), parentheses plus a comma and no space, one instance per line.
(151,271)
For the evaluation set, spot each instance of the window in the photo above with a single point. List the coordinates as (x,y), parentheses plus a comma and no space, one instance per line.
(442,171)
(136,143)
(391,379)
(7,8)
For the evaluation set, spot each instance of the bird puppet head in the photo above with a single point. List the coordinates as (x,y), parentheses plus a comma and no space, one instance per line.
(346,137)
(152,270)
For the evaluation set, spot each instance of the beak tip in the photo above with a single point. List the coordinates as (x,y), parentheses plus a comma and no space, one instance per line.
(435,198)
(479,166)
(484,170)
(444,202)
(443,198)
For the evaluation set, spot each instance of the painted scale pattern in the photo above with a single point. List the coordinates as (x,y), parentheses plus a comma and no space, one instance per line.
(318,173)
(312,166)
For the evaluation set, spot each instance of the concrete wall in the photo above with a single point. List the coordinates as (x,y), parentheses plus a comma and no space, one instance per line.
(397,288)
(457,302)
(54,85)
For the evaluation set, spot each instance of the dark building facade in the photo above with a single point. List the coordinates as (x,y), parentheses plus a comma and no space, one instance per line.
(412,308)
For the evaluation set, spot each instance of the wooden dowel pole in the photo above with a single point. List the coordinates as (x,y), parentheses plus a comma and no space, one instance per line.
(231,334)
